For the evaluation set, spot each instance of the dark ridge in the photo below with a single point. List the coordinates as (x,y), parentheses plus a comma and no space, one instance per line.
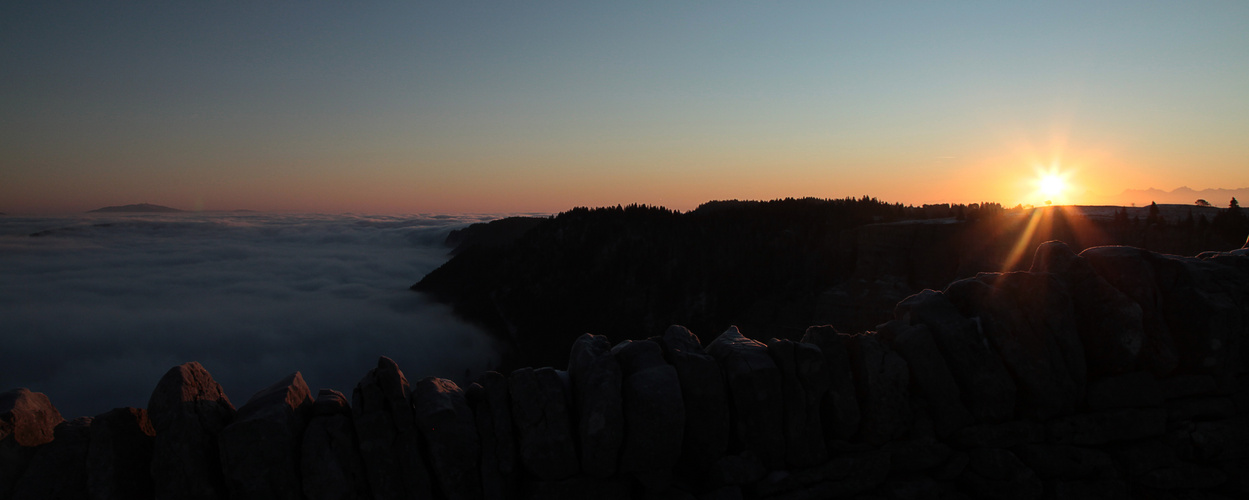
(137,208)
(491,234)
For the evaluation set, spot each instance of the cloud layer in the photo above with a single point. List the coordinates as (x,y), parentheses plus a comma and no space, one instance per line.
(96,308)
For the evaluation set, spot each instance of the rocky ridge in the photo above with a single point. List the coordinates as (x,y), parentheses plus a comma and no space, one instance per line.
(1112,373)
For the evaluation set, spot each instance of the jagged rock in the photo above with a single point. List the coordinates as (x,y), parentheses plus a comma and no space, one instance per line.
(986,387)
(754,388)
(653,410)
(706,403)
(1028,318)
(930,375)
(596,380)
(389,440)
(1108,426)
(1109,323)
(1003,435)
(840,405)
(447,423)
(541,419)
(188,410)
(997,473)
(1130,271)
(330,463)
(27,420)
(881,378)
(491,404)
(58,471)
(1129,390)
(260,449)
(844,476)
(119,459)
(803,384)
(1067,463)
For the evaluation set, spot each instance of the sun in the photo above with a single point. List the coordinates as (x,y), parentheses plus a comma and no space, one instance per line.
(1051,184)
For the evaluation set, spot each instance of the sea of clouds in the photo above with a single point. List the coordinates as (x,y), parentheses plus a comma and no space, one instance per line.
(94,309)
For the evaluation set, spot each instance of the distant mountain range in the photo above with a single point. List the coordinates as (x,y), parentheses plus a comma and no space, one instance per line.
(147,208)
(1179,196)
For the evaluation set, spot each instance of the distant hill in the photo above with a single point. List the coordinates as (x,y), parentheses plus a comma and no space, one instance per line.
(1178,196)
(147,208)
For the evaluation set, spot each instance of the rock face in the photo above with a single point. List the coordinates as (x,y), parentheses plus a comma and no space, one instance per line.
(492,406)
(330,463)
(653,409)
(188,410)
(27,420)
(389,440)
(596,382)
(260,450)
(706,403)
(881,378)
(450,433)
(754,384)
(839,406)
(803,385)
(543,428)
(119,455)
(59,468)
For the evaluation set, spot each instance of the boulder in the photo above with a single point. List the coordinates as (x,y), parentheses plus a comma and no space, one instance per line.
(386,429)
(986,387)
(654,413)
(754,389)
(803,385)
(839,407)
(330,463)
(119,459)
(930,375)
(260,449)
(491,405)
(541,418)
(706,402)
(1108,322)
(188,410)
(881,378)
(596,380)
(1206,306)
(1131,271)
(27,420)
(59,468)
(450,433)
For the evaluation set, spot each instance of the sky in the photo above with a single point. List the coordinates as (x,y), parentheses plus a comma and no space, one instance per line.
(472,107)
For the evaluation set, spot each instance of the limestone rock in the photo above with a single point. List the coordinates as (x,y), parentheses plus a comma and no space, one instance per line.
(654,413)
(803,385)
(260,449)
(27,420)
(491,404)
(706,402)
(389,440)
(930,376)
(754,388)
(447,423)
(986,387)
(188,410)
(840,405)
(1130,271)
(541,417)
(330,463)
(596,380)
(58,470)
(119,458)
(881,378)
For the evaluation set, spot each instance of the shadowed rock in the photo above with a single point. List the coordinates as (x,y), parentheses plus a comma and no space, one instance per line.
(120,456)
(330,463)
(881,378)
(389,441)
(59,468)
(1206,306)
(653,410)
(985,385)
(840,405)
(541,418)
(754,388)
(803,384)
(188,410)
(1129,270)
(450,434)
(1109,323)
(27,420)
(998,474)
(930,375)
(260,449)
(706,403)
(491,404)
(596,380)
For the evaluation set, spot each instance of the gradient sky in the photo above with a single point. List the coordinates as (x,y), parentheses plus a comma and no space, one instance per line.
(541,106)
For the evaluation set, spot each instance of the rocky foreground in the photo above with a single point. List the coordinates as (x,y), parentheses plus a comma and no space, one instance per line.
(1116,373)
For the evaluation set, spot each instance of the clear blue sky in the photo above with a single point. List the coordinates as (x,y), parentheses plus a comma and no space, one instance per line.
(539,106)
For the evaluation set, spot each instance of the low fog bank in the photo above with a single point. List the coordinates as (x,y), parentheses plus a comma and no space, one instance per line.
(96,308)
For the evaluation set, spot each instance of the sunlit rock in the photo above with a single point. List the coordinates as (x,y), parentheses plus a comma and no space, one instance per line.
(450,433)
(389,440)
(330,463)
